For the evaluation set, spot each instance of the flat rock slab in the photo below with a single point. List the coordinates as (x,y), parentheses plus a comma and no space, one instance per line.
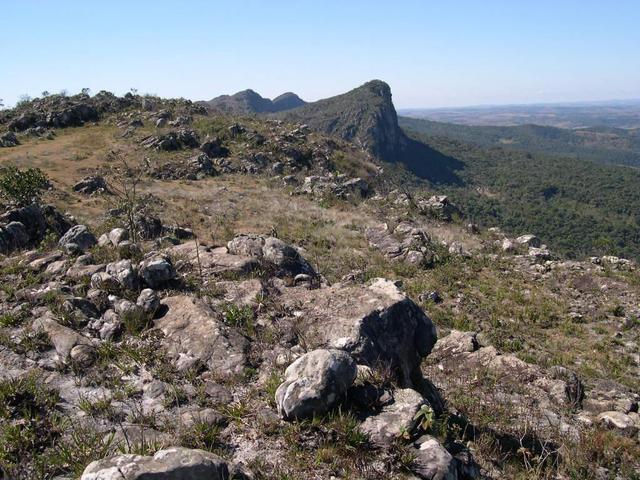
(377,324)
(213,260)
(175,463)
(193,329)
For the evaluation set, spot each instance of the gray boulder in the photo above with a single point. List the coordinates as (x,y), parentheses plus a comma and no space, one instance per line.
(124,272)
(157,271)
(118,235)
(78,238)
(148,300)
(314,383)
(433,461)
(174,463)
(63,338)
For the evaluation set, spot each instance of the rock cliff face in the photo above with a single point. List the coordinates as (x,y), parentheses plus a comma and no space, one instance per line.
(365,115)
(249,101)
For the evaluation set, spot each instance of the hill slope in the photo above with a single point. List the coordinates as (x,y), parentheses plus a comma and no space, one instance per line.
(279,320)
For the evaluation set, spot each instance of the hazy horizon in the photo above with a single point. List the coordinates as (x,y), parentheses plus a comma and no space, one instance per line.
(434,55)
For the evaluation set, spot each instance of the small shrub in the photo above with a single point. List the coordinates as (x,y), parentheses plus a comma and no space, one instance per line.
(11,319)
(240,317)
(22,187)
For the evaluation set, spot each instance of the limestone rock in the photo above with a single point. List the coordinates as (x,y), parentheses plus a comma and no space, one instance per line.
(157,271)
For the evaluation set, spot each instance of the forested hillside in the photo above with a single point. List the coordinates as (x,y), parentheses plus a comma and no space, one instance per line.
(599,144)
(578,207)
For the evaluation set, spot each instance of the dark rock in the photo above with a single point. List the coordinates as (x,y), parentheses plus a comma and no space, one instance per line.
(212,147)
(78,238)
(91,185)
(9,139)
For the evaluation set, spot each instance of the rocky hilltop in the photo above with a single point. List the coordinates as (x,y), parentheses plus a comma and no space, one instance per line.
(189,294)
(365,116)
(248,101)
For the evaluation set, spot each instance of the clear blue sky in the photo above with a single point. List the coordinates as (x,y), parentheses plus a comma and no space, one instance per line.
(432,53)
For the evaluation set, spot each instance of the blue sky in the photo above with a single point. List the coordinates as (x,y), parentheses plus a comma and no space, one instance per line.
(432,53)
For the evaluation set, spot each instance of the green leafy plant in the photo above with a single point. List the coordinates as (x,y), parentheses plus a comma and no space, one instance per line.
(424,416)
(22,186)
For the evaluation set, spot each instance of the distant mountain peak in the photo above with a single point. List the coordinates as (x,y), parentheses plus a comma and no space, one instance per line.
(249,101)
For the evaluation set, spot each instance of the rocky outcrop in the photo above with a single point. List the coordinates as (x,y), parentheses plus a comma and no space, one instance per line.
(285,258)
(78,238)
(174,140)
(405,242)
(527,396)
(27,226)
(8,139)
(396,419)
(377,324)
(338,185)
(91,185)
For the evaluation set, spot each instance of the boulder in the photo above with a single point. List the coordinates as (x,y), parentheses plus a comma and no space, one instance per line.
(377,324)
(13,236)
(149,302)
(212,148)
(157,271)
(63,338)
(395,419)
(8,139)
(118,235)
(529,240)
(174,463)
(620,422)
(432,461)
(78,238)
(104,281)
(193,330)
(213,261)
(314,383)
(124,272)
